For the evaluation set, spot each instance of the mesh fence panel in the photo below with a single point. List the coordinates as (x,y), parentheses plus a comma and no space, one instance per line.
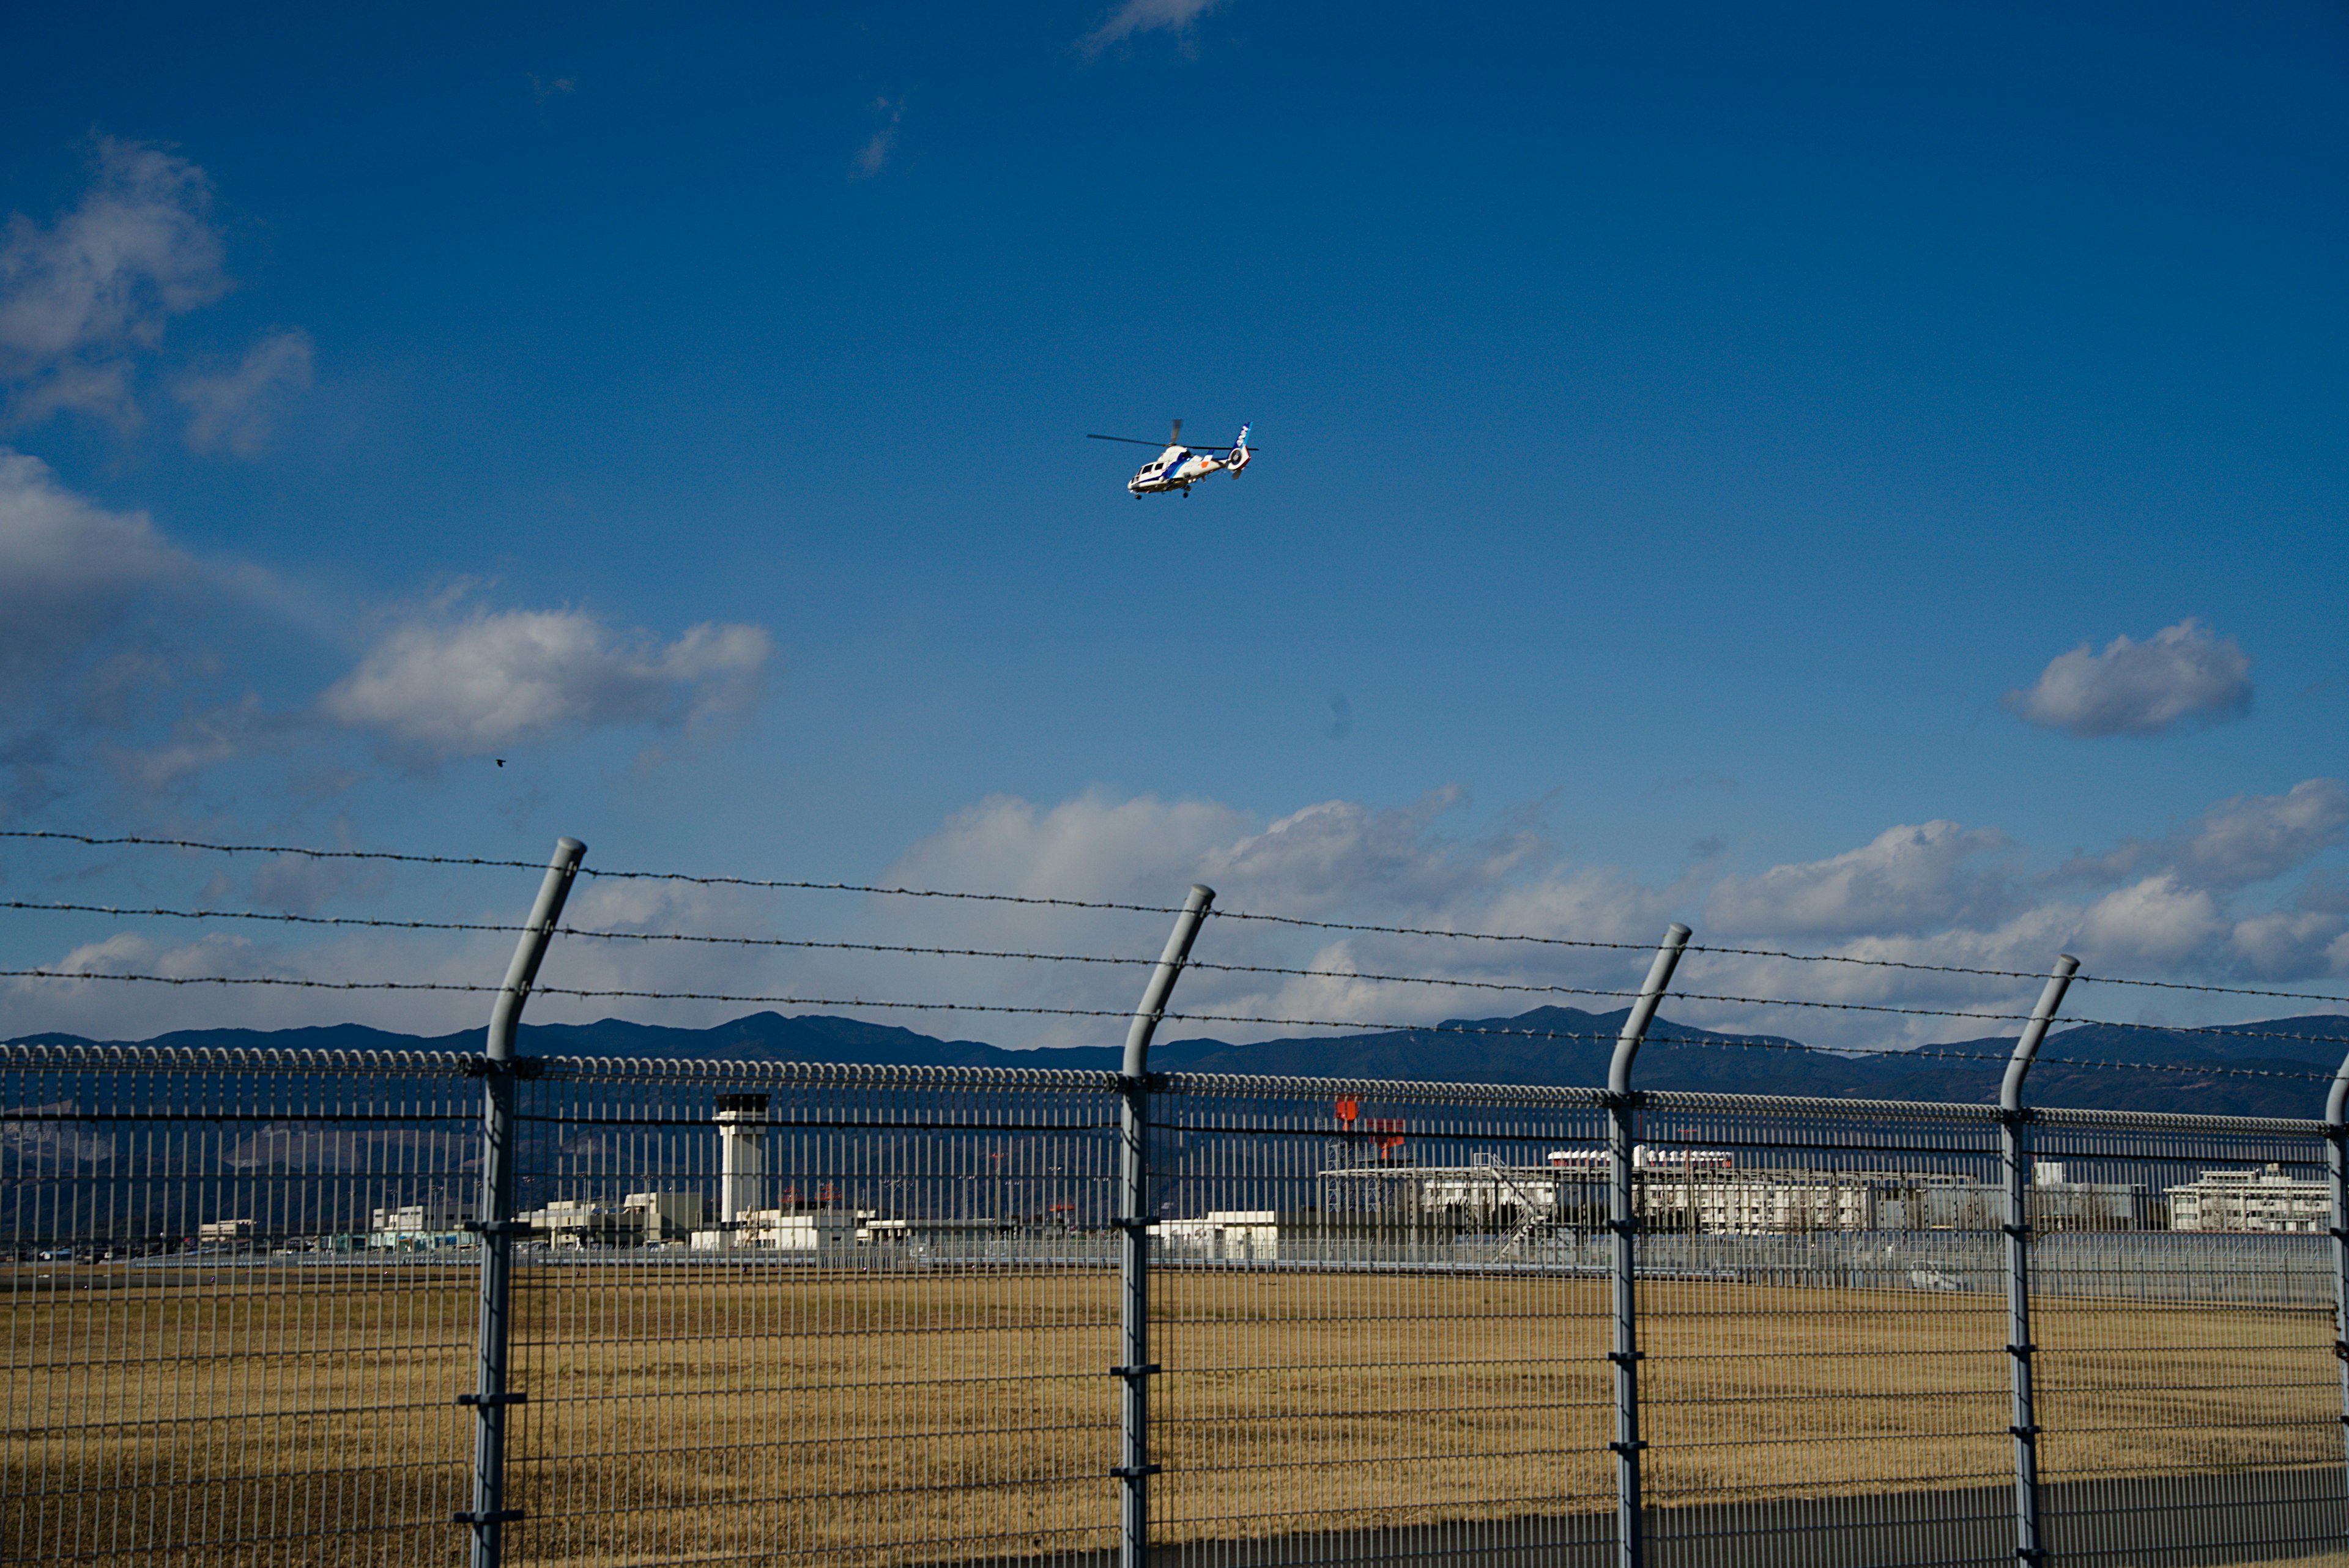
(239,1307)
(1381,1311)
(885,1337)
(866,1316)
(1823,1311)
(2183,1302)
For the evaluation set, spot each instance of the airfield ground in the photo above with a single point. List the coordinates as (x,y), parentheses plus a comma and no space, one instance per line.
(711,1412)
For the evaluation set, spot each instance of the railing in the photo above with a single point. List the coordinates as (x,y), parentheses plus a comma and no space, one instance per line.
(256,1316)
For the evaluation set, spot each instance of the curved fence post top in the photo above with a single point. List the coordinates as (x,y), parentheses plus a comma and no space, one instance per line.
(1643,1012)
(2026,1049)
(1162,980)
(505,1015)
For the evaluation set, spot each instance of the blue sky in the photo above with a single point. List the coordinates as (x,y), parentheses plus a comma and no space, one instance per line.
(1709,457)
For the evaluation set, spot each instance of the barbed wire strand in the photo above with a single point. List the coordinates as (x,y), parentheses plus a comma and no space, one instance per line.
(1228,914)
(1488,1030)
(1439,981)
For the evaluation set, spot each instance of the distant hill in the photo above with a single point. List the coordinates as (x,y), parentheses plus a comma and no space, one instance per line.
(1426,1055)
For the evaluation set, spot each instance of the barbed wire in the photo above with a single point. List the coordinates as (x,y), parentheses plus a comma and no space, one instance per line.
(198,843)
(1709,1041)
(799,944)
(1440,981)
(1219,913)
(1941,1052)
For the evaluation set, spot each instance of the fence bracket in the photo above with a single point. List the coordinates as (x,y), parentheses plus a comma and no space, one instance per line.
(492,1398)
(1149,1370)
(495,1516)
(515,1067)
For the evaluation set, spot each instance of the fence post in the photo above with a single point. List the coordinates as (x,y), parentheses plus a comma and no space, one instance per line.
(1135,1469)
(2029,1546)
(495,1219)
(1624,1222)
(2336,1143)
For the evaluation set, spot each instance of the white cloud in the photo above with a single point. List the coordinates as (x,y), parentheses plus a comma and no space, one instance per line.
(1939,894)
(2159,923)
(78,297)
(2183,672)
(2286,943)
(2244,839)
(67,569)
(2252,838)
(1905,879)
(231,412)
(493,679)
(1143,17)
(1335,859)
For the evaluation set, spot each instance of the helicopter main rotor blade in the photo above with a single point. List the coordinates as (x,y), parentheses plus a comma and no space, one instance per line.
(1191,446)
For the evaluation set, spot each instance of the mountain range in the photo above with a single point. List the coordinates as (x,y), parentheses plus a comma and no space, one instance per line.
(2238,1071)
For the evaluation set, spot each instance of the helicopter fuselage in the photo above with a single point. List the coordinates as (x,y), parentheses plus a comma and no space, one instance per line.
(1179,468)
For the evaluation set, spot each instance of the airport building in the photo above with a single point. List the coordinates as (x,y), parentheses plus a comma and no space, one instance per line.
(1705,1190)
(2266,1199)
(437,1222)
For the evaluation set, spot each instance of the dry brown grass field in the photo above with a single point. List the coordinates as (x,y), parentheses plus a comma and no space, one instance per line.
(683,1413)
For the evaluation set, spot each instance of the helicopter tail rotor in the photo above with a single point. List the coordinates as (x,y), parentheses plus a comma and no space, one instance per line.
(1240,456)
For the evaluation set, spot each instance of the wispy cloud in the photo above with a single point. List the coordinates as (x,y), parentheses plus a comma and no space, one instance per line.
(231,413)
(68,569)
(85,298)
(2181,672)
(81,296)
(874,156)
(1144,16)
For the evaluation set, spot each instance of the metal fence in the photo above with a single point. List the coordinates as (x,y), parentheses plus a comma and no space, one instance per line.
(868,1316)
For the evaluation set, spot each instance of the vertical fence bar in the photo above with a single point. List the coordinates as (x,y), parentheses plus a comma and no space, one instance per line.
(494,1222)
(2015,1154)
(2337,1163)
(1135,1467)
(1624,1223)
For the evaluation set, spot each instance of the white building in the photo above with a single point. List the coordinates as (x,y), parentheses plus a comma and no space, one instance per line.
(1705,1190)
(781,1230)
(438,1221)
(665,1216)
(2250,1200)
(1235,1235)
(639,1220)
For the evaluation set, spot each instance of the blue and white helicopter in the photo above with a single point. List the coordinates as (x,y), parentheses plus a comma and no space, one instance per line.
(1179,467)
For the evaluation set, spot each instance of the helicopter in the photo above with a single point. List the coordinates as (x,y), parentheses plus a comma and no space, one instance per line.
(1179,467)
